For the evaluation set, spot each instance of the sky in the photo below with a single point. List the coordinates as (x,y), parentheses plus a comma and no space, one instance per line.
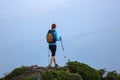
(90,30)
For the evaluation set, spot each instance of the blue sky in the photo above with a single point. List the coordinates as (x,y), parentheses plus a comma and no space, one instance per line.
(90,30)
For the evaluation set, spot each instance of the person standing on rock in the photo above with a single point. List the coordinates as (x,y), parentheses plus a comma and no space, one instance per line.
(52,37)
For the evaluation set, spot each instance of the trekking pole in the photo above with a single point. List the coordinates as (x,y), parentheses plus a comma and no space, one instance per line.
(61,43)
(62,46)
(63,50)
(48,55)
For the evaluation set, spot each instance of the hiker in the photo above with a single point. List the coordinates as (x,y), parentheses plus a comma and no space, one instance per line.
(52,37)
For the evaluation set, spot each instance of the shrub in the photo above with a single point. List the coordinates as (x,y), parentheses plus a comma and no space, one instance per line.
(84,70)
(14,73)
(102,72)
(112,75)
(60,74)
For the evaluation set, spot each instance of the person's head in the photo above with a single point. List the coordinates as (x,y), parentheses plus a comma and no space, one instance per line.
(53,26)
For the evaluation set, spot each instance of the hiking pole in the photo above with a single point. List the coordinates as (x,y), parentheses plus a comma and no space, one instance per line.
(62,46)
(63,50)
(61,43)
(48,55)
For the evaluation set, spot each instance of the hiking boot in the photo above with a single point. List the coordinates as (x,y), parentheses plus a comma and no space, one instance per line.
(56,65)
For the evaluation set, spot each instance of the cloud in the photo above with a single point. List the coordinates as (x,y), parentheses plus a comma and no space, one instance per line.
(28,7)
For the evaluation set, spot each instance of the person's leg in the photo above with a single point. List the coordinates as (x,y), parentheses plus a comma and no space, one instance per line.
(51,60)
(54,59)
(53,50)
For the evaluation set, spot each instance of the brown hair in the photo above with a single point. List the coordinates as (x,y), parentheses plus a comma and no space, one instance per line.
(53,26)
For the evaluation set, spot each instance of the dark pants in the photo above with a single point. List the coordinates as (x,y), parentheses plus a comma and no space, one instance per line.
(52,49)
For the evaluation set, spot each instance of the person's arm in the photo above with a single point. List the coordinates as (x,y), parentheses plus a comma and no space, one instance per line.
(56,35)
